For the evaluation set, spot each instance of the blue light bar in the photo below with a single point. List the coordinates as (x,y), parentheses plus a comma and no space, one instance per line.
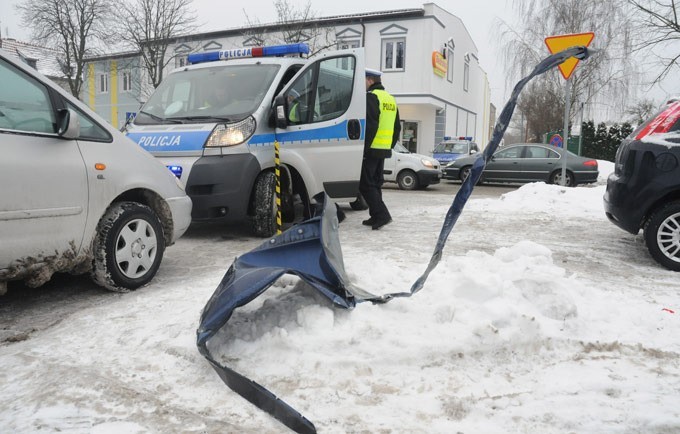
(176,170)
(236,53)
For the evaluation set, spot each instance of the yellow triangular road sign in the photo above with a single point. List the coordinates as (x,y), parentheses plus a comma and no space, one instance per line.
(562,42)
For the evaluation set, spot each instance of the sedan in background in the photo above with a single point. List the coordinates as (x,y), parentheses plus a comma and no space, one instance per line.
(528,162)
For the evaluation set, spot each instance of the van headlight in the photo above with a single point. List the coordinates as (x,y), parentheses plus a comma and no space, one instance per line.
(231,134)
(427,163)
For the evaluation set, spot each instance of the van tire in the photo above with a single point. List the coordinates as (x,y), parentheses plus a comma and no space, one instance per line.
(264,205)
(129,235)
(407,180)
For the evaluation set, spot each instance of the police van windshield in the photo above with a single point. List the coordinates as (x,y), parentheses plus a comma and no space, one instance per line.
(452,148)
(220,93)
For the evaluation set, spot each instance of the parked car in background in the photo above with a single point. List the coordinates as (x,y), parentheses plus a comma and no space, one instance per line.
(77,194)
(528,162)
(644,190)
(452,149)
(411,171)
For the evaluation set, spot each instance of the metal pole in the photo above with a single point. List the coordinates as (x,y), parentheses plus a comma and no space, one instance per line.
(565,132)
(580,136)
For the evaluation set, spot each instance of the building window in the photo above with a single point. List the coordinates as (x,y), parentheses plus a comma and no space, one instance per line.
(449,64)
(180,61)
(466,75)
(393,54)
(344,45)
(126,79)
(103,83)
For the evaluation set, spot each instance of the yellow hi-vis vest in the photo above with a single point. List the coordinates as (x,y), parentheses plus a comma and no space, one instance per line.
(388,114)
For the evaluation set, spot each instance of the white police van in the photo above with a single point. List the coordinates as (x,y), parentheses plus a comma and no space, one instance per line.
(214,123)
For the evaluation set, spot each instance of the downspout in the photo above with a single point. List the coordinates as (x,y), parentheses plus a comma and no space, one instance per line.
(363,33)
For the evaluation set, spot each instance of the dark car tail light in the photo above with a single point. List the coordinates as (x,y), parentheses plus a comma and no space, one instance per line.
(590,163)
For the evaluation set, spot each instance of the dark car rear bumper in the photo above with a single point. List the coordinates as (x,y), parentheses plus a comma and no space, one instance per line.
(621,206)
(586,177)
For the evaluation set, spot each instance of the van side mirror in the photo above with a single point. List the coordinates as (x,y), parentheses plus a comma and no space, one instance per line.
(68,123)
(280,112)
(473,152)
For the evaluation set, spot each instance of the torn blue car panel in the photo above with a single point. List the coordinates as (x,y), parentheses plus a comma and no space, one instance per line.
(311,250)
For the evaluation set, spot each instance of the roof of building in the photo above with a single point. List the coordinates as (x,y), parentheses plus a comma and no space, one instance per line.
(42,59)
(336,20)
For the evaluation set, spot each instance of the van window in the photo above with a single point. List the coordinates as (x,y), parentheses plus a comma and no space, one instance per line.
(229,92)
(24,102)
(329,99)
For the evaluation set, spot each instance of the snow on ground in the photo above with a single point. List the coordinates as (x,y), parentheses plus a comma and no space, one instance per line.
(541,317)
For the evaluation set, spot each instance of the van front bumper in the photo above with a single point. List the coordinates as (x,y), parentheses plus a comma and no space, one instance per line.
(180,207)
(220,186)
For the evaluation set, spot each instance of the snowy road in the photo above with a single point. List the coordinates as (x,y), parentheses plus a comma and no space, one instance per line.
(541,317)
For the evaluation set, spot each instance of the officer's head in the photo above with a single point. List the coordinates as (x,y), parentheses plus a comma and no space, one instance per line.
(372,77)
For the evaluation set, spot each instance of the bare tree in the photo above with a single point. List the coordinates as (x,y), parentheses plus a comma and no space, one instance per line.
(641,111)
(606,77)
(658,27)
(72,28)
(543,108)
(148,26)
(293,25)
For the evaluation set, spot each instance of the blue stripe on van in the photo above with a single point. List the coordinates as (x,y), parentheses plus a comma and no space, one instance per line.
(334,132)
(171,141)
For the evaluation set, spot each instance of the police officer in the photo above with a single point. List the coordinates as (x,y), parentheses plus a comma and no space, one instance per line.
(382,131)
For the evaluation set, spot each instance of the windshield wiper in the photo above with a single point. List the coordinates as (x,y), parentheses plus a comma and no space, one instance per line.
(158,118)
(203,118)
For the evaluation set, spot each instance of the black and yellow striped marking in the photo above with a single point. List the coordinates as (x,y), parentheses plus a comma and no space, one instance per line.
(277,175)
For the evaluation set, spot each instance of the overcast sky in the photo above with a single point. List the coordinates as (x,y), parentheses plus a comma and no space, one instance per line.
(478,16)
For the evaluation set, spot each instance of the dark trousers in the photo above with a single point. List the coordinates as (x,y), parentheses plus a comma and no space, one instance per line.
(370,186)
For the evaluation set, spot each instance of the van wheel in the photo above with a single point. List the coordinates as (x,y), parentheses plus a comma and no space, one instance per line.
(407,180)
(128,247)
(662,236)
(264,205)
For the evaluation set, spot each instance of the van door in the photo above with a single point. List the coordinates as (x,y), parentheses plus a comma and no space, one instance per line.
(326,112)
(43,202)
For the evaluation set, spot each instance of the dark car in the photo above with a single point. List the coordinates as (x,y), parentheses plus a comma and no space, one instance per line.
(528,162)
(644,190)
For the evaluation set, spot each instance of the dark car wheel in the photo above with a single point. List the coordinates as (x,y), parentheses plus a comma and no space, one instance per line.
(128,247)
(556,178)
(464,173)
(407,180)
(662,236)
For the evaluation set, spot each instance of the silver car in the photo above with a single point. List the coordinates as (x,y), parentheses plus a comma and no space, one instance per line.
(77,194)
(528,162)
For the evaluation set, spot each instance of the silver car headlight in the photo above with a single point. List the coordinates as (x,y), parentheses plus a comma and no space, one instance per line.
(427,163)
(450,164)
(231,134)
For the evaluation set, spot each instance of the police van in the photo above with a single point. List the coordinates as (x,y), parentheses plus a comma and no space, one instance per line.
(215,123)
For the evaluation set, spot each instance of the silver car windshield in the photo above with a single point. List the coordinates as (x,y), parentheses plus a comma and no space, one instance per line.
(224,93)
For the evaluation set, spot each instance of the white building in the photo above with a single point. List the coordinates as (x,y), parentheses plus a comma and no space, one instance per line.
(429,63)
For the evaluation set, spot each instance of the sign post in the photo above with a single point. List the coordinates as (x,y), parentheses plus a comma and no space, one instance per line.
(556,44)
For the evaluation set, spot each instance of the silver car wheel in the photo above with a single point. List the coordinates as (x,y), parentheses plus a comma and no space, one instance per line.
(136,248)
